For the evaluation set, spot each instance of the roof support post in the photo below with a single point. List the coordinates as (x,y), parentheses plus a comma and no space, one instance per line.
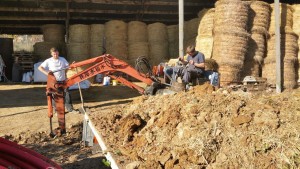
(181,26)
(277,48)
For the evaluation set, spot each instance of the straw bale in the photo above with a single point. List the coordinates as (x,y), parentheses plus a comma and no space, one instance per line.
(191,28)
(289,47)
(117,48)
(53,33)
(206,22)
(205,45)
(174,49)
(96,49)
(42,49)
(138,49)
(269,72)
(289,78)
(286,18)
(296,18)
(259,16)
(158,52)
(78,51)
(211,64)
(157,32)
(233,13)
(79,33)
(137,32)
(256,48)
(97,33)
(251,68)
(173,33)
(229,75)
(115,30)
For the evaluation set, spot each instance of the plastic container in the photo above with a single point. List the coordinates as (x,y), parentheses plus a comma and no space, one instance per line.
(106,81)
(114,82)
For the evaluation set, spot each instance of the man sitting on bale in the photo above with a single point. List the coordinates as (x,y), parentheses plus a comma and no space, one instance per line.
(191,66)
(194,64)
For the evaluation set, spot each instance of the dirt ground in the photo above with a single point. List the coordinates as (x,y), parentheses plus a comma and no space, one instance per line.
(201,128)
(23,114)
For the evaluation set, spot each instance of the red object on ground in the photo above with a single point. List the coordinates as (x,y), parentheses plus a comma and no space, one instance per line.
(17,156)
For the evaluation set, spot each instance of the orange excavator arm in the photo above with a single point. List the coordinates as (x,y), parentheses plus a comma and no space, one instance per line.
(105,64)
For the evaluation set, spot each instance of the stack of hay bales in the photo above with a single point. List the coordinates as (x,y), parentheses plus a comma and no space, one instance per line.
(190,32)
(96,40)
(259,21)
(78,46)
(296,29)
(230,39)
(54,36)
(137,41)
(289,50)
(158,43)
(173,40)
(115,32)
(204,40)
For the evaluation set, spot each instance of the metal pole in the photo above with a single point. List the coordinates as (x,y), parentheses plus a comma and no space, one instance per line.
(277,47)
(181,27)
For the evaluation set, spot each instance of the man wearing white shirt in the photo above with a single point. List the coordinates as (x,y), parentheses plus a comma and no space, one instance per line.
(54,64)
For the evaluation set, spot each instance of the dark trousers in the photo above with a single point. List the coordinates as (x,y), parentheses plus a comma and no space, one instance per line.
(68,101)
(190,72)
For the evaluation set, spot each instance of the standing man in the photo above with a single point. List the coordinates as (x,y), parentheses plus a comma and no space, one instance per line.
(53,64)
(195,64)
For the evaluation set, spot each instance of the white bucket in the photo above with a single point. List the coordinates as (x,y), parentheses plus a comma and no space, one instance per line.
(106,81)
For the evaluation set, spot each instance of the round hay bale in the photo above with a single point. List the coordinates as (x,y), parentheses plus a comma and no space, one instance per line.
(268,71)
(138,49)
(259,16)
(296,18)
(174,50)
(289,47)
(256,48)
(137,32)
(79,33)
(229,75)
(158,52)
(286,18)
(118,49)
(97,33)
(230,46)
(157,32)
(289,73)
(173,33)
(42,49)
(96,49)
(233,13)
(116,30)
(205,45)
(78,51)
(191,28)
(251,68)
(206,22)
(53,33)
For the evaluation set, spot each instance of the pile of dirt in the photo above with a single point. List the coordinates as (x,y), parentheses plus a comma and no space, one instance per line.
(203,128)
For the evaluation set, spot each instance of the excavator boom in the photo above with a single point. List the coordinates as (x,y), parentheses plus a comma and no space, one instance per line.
(105,64)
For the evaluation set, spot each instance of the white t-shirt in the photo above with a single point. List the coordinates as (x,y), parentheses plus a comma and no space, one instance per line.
(56,64)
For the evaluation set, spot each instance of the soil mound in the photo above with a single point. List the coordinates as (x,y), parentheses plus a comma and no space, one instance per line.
(203,128)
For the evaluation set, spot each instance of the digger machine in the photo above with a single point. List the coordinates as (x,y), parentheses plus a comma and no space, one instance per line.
(104,64)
